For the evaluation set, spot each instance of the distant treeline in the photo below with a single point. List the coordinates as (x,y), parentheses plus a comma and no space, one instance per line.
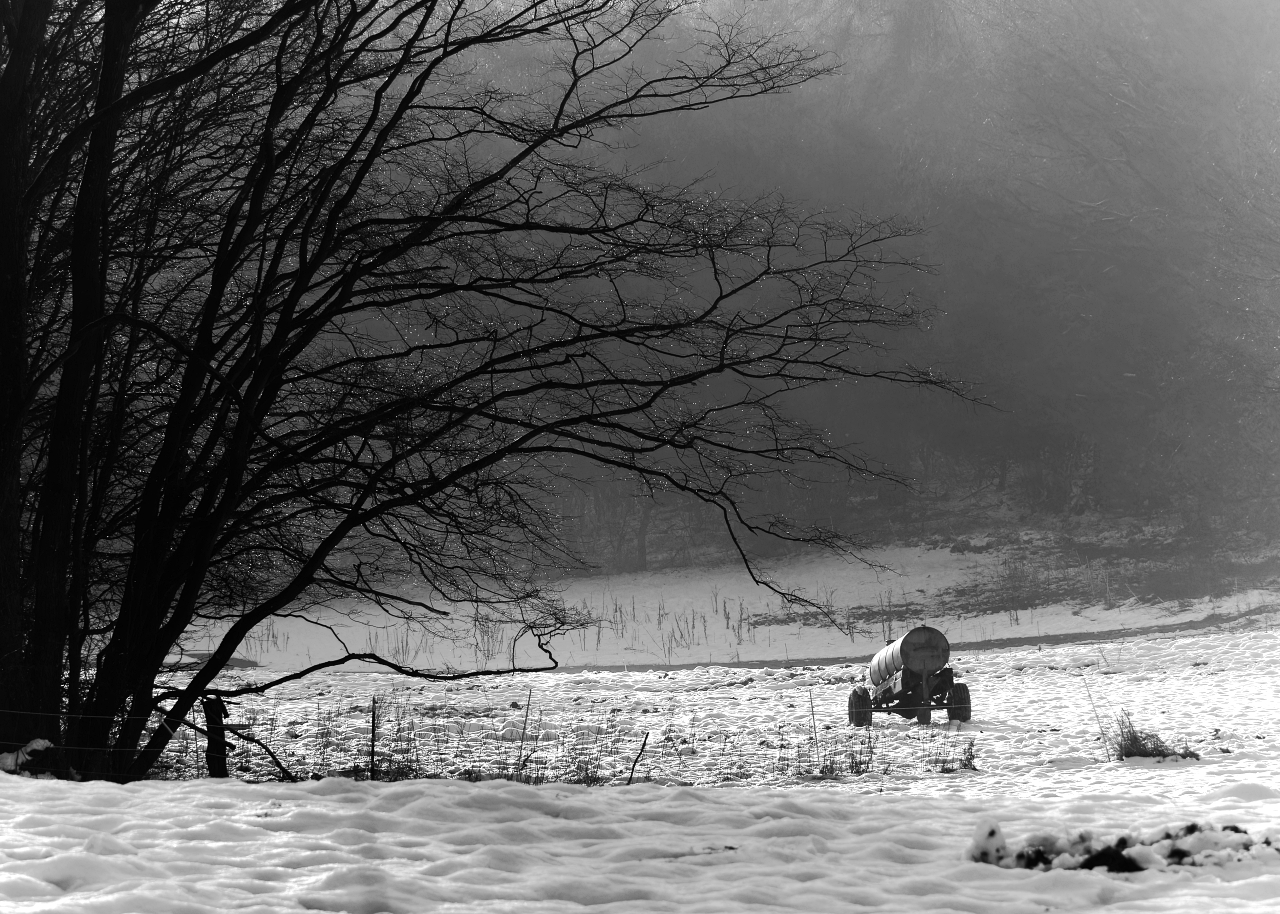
(1100,188)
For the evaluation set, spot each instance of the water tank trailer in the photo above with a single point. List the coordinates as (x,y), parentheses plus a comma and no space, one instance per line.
(911,677)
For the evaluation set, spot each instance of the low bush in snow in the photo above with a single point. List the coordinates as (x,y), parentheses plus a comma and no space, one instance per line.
(1124,740)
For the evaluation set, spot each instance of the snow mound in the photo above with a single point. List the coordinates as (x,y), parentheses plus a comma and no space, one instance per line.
(1193,844)
(1251,793)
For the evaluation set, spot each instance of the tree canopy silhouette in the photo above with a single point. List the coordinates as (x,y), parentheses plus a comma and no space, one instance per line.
(312,299)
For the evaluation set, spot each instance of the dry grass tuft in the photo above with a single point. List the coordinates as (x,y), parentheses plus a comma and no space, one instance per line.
(1124,740)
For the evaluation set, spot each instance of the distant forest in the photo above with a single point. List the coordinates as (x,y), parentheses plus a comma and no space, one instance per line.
(1096,184)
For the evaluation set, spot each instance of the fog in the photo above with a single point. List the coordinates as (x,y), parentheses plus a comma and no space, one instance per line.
(1097,180)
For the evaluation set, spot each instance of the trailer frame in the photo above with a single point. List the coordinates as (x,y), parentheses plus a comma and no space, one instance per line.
(920,682)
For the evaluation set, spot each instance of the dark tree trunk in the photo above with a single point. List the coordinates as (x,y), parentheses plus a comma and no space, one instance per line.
(16,92)
(55,546)
(642,536)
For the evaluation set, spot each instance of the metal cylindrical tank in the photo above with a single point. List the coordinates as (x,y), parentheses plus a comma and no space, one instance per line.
(921,650)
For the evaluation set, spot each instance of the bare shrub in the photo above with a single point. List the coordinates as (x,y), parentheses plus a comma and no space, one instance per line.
(1124,740)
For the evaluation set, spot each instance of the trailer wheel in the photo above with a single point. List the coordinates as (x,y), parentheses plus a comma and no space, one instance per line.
(924,712)
(959,707)
(860,707)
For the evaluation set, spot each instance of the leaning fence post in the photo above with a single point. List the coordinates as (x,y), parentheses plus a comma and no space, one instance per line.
(215,753)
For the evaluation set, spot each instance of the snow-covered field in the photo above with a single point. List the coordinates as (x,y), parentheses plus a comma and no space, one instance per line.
(742,800)
(720,616)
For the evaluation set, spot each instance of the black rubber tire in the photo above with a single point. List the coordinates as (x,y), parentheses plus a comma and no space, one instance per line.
(959,706)
(860,707)
(924,712)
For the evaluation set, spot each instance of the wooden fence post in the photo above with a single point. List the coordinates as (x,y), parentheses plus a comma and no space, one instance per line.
(215,753)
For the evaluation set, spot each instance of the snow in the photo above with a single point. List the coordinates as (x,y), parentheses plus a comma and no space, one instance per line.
(730,809)
(13,761)
(720,616)
(437,845)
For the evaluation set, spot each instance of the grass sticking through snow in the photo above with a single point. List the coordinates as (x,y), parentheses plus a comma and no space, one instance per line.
(1125,740)
(398,738)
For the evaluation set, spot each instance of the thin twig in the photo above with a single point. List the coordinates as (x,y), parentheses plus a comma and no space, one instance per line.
(524,729)
(1106,743)
(643,743)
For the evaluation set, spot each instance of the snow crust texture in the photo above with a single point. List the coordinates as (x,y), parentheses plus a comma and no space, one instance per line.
(339,845)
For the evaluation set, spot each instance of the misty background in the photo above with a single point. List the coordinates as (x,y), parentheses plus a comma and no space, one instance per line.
(1096,181)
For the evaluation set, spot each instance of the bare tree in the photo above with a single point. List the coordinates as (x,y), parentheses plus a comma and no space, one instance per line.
(308,299)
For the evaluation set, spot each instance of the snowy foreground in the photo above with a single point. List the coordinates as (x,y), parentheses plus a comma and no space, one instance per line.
(337,845)
(893,839)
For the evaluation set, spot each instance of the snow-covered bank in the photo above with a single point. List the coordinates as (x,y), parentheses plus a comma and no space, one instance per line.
(338,845)
(683,617)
